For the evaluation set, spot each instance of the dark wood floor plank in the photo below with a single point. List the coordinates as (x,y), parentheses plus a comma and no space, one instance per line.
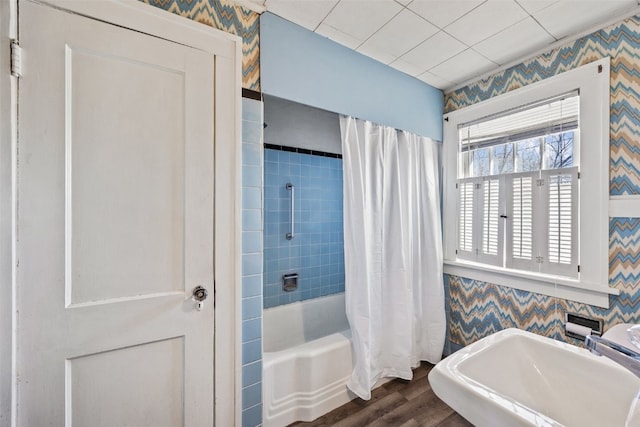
(373,412)
(416,388)
(434,413)
(455,420)
(416,409)
(397,403)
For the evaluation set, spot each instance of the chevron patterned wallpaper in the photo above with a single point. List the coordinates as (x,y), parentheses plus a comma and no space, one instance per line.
(478,309)
(226,16)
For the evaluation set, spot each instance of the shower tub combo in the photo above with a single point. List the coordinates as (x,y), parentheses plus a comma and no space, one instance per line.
(307,360)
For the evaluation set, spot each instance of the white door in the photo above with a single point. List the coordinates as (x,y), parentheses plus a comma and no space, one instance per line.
(115,226)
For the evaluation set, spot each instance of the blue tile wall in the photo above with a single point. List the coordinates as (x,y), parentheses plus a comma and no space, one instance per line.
(251,263)
(316,252)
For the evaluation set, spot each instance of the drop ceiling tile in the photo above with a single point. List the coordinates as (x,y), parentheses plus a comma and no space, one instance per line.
(569,17)
(533,6)
(463,67)
(377,54)
(486,20)
(442,13)
(404,32)
(338,36)
(433,51)
(407,68)
(514,42)
(435,81)
(361,19)
(308,14)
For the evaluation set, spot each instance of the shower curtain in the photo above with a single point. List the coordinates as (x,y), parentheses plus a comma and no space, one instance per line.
(393,251)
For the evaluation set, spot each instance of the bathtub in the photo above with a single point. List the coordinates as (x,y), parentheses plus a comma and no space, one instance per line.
(306,361)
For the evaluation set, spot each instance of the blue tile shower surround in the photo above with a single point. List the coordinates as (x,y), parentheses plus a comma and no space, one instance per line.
(316,252)
(251,263)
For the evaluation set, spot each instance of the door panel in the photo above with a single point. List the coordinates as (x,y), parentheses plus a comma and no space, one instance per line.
(125,179)
(104,388)
(115,211)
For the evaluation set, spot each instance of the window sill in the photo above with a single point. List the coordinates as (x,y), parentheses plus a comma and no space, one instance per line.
(571,289)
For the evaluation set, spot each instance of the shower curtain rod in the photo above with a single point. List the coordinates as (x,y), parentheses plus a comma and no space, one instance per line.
(398,130)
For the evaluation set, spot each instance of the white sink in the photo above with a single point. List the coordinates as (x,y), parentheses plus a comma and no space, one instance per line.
(516,378)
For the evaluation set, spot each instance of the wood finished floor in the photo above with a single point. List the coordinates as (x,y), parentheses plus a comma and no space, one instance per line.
(397,403)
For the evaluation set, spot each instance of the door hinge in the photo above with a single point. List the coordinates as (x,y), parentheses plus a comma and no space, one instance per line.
(16,59)
(578,175)
(599,69)
(539,182)
(214,294)
(539,259)
(578,269)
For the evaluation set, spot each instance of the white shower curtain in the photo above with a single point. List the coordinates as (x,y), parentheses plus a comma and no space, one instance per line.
(393,251)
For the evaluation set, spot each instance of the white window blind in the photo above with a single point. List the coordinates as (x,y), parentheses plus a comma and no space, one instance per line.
(518,191)
(480,231)
(561,200)
(522,218)
(556,115)
(490,217)
(466,207)
(519,225)
(490,248)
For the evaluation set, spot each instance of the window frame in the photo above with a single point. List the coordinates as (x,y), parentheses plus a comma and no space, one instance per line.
(592,284)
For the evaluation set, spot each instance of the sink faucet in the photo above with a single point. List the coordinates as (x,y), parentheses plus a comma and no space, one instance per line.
(623,356)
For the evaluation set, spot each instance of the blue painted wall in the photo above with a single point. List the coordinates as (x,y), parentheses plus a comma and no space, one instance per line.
(316,252)
(251,263)
(299,65)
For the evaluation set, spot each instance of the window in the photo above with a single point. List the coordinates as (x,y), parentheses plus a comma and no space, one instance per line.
(518,188)
(526,187)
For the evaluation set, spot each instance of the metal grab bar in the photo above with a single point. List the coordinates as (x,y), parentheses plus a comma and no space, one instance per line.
(290,186)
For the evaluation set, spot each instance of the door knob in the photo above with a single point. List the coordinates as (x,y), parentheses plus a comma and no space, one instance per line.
(199,295)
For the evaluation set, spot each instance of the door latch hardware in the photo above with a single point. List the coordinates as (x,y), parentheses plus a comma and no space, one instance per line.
(199,295)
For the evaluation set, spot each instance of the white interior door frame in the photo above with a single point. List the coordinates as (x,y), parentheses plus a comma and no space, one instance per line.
(227,48)
(8,137)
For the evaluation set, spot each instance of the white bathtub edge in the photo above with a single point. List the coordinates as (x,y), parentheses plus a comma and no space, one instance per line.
(284,402)
(307,406)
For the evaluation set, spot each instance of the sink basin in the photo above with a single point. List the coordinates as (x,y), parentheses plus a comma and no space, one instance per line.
(516,378)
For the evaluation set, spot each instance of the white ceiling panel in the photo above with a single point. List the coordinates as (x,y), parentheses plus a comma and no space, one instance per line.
(505,46)
(350,17)
(405,31)
(442,13)
(532,6)
(433,51)
(448,42)
(406,67)
(435,81)
(377,54)
(338,36)
(569,17)
(309,16)
(463,66)
(486,20)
